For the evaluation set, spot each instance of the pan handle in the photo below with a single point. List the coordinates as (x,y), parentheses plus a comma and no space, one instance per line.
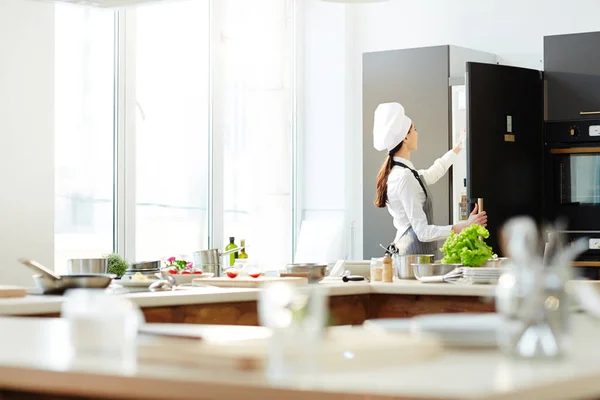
(37,267)
(232,251)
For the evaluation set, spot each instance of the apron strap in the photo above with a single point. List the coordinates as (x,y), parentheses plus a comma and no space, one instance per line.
(415,173)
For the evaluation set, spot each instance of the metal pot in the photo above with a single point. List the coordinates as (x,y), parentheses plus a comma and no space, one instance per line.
(87,266)
(147,268)
(52,283)
(212,258)
(145,265)
(403,264)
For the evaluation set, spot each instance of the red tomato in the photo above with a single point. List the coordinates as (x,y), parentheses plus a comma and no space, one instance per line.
(255,275)
(186,272)
(231,273)
(173,271)
(198,272)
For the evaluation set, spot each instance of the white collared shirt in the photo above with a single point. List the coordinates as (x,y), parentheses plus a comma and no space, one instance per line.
(406,198)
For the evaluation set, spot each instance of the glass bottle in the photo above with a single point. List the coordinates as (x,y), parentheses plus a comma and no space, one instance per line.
(463,206)
(243,253)
(231,246)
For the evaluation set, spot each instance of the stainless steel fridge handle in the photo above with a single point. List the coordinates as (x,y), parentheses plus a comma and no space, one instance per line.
(589,112)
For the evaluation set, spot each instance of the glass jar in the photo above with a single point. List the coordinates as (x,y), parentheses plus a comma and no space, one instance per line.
(376,269)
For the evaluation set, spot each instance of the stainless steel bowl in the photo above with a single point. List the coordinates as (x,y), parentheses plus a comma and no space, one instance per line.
(314,272)
(87,266)
(403,264)
(435,269)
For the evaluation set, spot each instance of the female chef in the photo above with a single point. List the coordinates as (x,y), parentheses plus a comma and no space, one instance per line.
(404,190)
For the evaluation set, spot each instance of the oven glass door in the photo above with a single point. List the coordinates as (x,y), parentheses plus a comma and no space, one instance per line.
(577,178)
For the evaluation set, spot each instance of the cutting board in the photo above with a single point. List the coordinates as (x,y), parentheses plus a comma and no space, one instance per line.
(247,282)
(342,349)
(12,291)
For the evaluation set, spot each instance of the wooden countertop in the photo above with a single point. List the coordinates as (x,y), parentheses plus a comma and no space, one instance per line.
(33,357)
(38,304)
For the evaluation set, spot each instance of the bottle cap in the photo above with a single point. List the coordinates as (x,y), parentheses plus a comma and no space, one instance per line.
(231,239)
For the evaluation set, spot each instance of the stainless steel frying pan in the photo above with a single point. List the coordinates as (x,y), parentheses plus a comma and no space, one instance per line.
(52,283)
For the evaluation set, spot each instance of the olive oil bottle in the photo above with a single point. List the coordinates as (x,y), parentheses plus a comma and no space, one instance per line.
(243,253)
(232,246)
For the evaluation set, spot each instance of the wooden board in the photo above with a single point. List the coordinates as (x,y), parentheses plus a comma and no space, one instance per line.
(12,291)
(369,348)
(247,282)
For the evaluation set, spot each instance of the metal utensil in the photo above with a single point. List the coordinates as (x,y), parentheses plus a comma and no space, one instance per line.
(166,284)
(87,266)
(52,283)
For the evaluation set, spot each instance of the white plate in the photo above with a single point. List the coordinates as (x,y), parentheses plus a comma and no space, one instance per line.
(465,330)
(130,283)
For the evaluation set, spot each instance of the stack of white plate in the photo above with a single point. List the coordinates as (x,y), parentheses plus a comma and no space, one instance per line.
(462,330)
(475,275)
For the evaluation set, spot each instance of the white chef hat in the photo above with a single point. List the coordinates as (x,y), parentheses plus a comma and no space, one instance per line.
(390,126)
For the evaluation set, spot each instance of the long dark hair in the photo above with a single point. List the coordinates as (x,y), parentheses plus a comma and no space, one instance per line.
(382,177)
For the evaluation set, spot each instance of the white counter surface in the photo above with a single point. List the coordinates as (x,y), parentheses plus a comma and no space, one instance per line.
(38,304)
(33,358)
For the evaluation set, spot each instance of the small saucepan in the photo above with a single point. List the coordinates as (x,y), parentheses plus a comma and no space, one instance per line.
(52,283)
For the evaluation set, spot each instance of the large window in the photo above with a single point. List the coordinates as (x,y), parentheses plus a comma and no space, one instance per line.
(172,128)
(202,124)
(84,110)
(253,88)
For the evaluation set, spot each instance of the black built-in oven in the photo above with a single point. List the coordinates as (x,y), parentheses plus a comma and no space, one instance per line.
(572,181)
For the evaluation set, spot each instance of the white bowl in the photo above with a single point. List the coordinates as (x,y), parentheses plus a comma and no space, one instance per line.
(181,279)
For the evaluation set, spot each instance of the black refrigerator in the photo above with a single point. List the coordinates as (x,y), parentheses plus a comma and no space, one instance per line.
(505,143)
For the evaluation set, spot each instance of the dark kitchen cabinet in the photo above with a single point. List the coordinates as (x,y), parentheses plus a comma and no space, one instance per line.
(572,76)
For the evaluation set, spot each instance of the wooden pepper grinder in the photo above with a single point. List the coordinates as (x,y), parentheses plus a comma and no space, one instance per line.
(388,271)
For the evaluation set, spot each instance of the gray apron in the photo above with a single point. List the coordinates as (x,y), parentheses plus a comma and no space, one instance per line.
(408,242)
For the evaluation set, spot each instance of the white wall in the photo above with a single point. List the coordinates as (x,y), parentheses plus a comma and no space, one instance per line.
(511,29)
(26,137)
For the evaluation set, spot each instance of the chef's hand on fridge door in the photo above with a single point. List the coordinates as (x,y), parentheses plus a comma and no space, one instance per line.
(476,217)
(462,141)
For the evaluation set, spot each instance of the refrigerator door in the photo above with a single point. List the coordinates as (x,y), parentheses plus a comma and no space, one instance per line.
(504,143)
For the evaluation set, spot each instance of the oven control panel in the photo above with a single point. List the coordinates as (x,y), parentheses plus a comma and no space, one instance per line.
(594,244)
(580,131)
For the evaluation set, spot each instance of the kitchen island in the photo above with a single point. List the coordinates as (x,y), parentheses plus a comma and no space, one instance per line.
(34,365)
(350,303)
